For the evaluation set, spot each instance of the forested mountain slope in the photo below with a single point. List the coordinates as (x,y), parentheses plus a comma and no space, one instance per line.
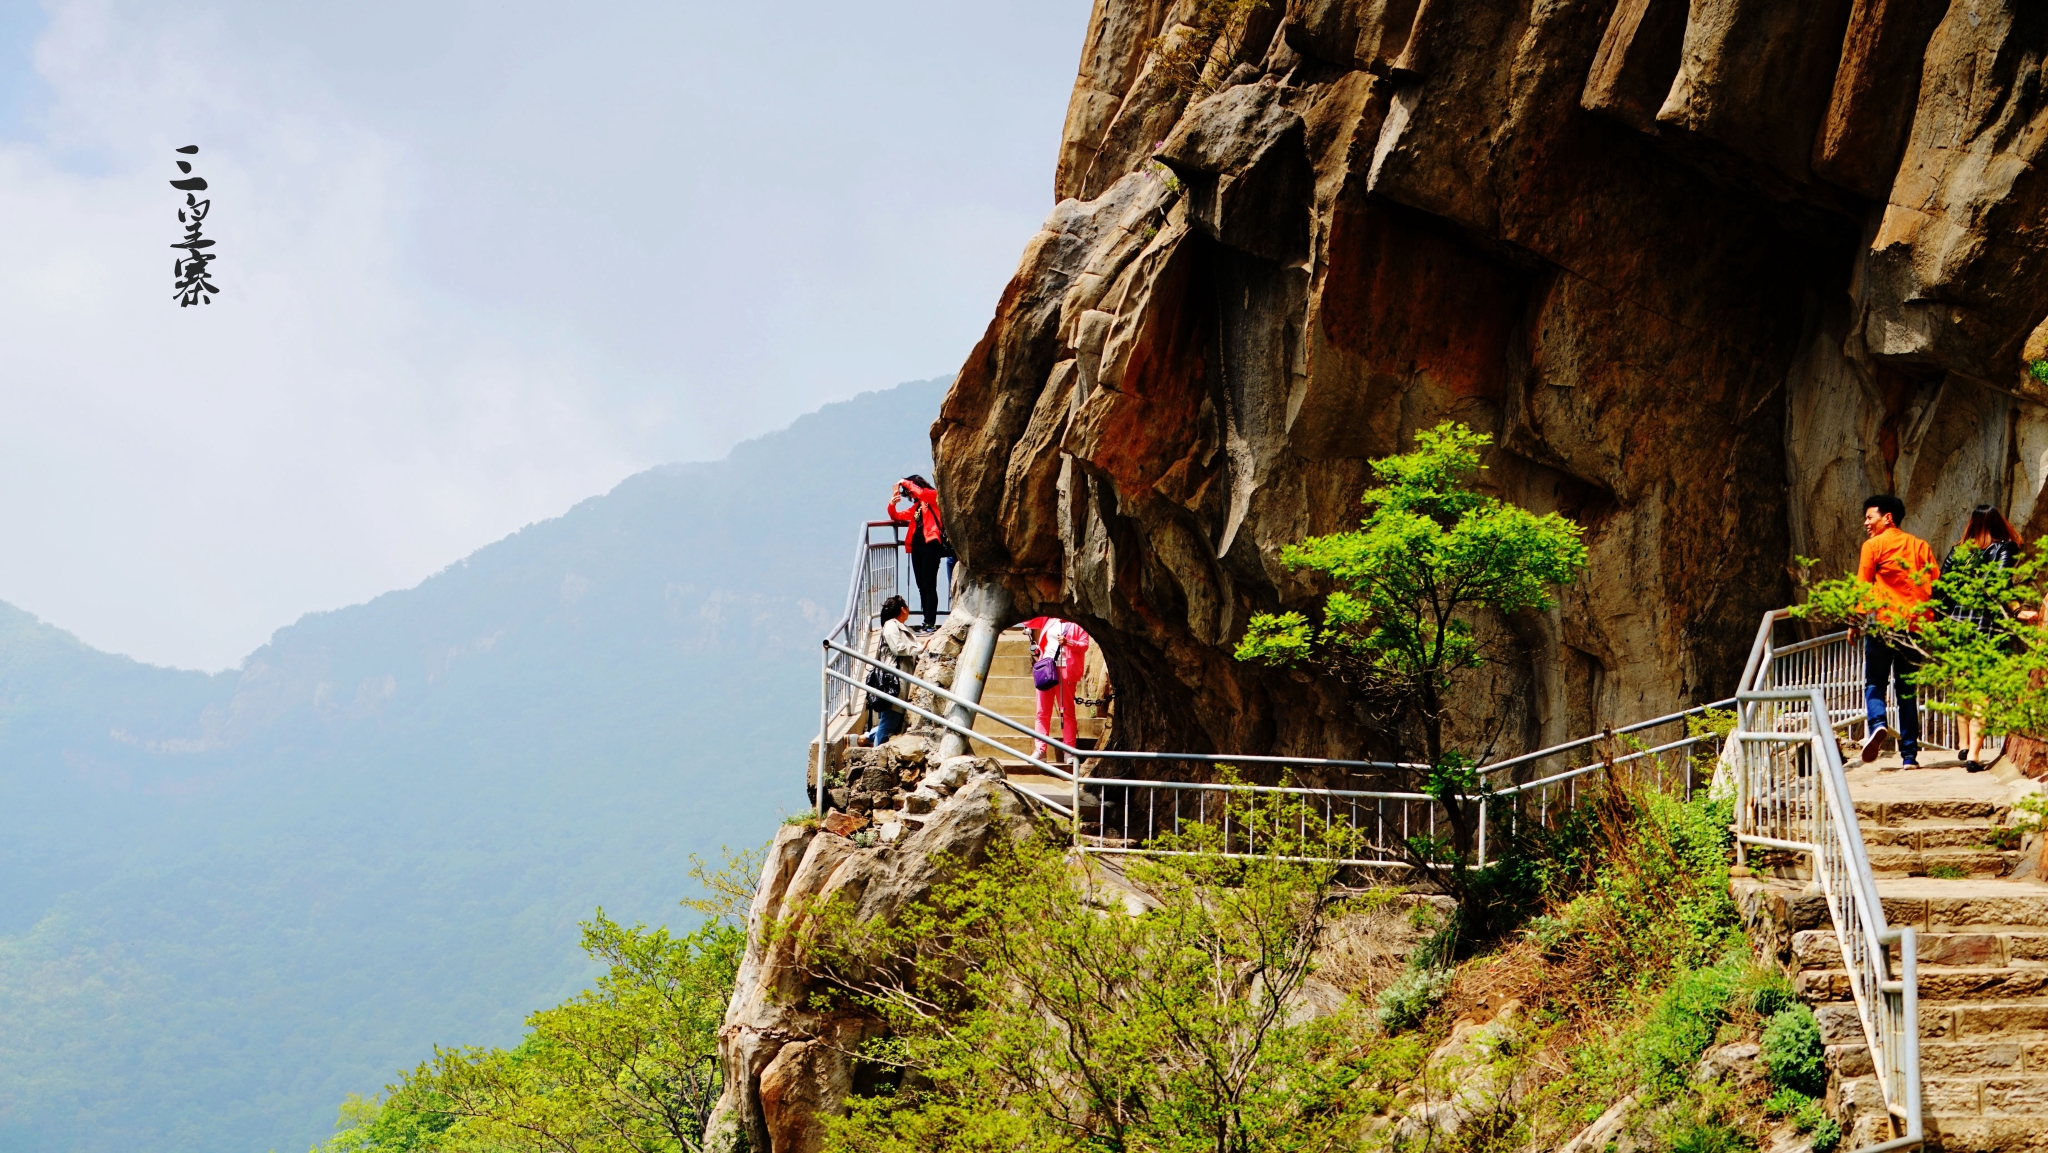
(231,899)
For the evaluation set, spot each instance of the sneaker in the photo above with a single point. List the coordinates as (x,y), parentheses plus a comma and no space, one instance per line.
(1877,744)
(1909,763)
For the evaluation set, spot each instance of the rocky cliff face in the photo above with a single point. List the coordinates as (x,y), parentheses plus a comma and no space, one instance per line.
(1710,271)
(786,1061)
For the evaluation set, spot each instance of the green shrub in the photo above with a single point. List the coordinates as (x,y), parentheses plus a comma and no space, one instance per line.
(1407,1002)
(1765,990)
(1948,872)
(2038,369)
(1807,1116)
(1707,1136)
(1792,1054)
(1683,1021)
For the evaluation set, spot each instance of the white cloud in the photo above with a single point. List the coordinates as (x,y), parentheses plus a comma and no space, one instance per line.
(477,263)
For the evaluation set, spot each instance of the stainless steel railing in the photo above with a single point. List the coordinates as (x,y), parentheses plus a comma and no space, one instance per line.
(1118,814)
(880,570)
(1833,664)
(1791,794)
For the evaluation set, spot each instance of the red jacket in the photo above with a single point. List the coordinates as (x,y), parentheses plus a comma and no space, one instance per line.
(922,516)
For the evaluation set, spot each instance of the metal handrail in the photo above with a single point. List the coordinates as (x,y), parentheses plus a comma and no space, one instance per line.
(950,724)
(1782,803)
(1938,727)
(1564,777)
(1604,734)
(853,627)
(1113,754)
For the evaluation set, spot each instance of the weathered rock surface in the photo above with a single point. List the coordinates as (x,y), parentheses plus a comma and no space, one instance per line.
(786,1063)
(1710,270)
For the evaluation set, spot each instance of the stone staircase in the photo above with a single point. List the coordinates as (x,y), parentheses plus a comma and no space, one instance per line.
(1947,864)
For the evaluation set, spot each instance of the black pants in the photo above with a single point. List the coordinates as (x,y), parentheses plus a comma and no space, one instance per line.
(924,563)
(1883,664)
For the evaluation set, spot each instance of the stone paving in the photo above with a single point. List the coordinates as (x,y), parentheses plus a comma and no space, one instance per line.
(1949,863)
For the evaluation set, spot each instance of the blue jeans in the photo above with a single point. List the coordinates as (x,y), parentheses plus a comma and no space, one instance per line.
(1884,663)
(889,725)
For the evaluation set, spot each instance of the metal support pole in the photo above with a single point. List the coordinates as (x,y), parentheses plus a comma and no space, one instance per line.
(987,605)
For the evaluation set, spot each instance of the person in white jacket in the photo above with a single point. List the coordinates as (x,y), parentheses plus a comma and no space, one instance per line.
(898,646)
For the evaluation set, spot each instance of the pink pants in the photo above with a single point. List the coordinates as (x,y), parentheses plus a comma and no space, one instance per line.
(1064,695)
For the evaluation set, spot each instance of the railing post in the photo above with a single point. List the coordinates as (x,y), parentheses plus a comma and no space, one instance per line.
(1482,831)
(824,723)
(1909,1010)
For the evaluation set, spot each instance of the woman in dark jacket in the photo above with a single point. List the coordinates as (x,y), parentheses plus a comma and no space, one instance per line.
(926,540)
(1988,539)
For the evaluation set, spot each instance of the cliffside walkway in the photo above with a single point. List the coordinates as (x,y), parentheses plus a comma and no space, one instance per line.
(1892,870)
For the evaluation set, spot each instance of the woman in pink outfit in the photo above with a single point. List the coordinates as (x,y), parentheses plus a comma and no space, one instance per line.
(1067,643)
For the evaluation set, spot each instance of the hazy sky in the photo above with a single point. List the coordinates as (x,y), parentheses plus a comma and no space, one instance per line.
(478,262)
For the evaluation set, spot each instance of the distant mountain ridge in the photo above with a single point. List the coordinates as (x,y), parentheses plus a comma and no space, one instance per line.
(235,897)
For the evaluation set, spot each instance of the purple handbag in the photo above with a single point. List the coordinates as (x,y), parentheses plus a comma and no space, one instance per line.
(1045,671)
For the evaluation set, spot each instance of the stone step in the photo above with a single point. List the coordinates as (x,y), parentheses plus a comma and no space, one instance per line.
(1929,811)
(2017,1133)
(1016,742)
(1936,836)
(2007,1114)
(1985,1096)
(1990,1058)
(1933,904)
(1889,861)
(1822,949)
(1058,791)
(1010,700)
(2022,1020)
(1937,982)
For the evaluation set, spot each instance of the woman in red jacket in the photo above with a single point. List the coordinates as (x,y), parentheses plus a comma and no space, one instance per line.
(926,540)
(1067,644)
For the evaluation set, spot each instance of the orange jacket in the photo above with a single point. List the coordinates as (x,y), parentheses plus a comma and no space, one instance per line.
(1903,569)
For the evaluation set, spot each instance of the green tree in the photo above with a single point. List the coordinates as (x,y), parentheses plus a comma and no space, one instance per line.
(629,1066)
(1412,582)
(1038,1004)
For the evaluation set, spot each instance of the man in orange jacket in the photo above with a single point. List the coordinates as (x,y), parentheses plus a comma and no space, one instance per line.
(1902,570)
